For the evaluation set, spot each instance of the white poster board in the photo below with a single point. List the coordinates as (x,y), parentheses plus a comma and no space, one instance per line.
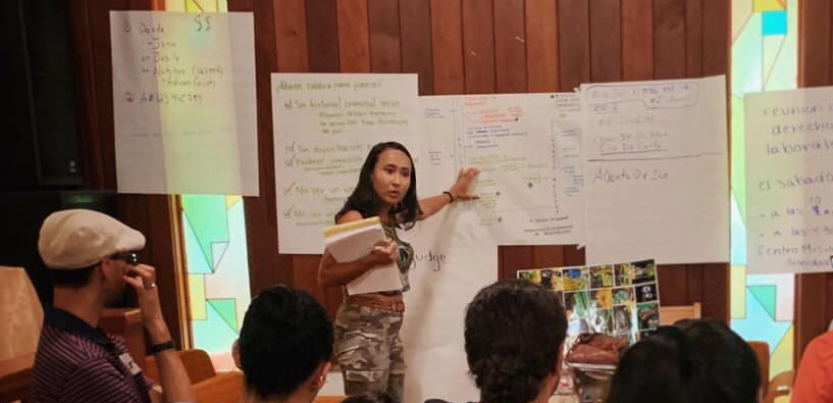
(656,172)
(454,260)
(184,102)
(789,181)
(528,149)
(324,126)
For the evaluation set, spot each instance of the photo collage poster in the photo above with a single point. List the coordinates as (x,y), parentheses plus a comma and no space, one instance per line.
(620,299)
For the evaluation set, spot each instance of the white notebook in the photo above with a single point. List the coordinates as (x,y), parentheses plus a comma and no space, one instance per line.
(352,241)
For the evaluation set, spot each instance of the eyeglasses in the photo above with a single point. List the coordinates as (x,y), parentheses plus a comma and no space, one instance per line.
(127,257)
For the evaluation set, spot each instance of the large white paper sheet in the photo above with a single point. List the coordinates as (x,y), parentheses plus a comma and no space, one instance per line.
(454,260)
(656,172)
(184,102)
(789,181)
(324,126)
(528,148)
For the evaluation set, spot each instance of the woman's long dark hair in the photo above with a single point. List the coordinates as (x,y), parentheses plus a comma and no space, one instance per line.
(694,361)
(365,200)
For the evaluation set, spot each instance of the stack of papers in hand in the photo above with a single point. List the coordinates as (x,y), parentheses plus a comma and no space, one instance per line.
(352,241)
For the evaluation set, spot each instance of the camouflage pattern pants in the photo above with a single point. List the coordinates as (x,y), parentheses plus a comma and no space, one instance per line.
(369,350)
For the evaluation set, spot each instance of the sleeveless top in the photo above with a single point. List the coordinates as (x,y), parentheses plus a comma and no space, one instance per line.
(406,255)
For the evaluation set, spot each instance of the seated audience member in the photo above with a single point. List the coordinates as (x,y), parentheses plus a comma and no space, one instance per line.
(814,380)
(700,361)
(370,397)
(514,332)
(90,256)
(285,347)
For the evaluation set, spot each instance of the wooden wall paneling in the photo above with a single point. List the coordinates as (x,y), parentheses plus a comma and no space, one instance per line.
(669,39)
(88,119)
(353,36)
(149,214)
(515,258)
(158,217)
(447,46)
(99,20)
(324,56)
(716,38)
(509,69)
(548,256)
(694,38)
(637,40)
(716,44)
(305,277)
(416,39)
(811,310)
(715,291)
(825,301)
(171,276)
(322,36)
(510,46)
(500,264)
(478,47)
(605,40)
(814,43)
(541,45)
(266,266)
(573,256)
(385,48)
(813,304)
(474,46)
(694,283)
(573,43)
(673,284)
(290,36)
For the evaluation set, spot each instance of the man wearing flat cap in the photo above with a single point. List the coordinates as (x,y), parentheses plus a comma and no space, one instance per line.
(91,256)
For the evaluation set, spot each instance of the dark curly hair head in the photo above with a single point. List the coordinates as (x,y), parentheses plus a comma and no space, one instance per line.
(365,200)
(700,361)
(286,336)
(514,332)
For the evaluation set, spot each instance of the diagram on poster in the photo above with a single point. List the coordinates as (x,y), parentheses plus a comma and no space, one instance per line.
(528,149)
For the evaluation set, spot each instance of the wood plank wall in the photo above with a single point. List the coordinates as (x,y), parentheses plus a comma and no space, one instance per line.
(456,47)
(474,47)
(814,292)
(150,214)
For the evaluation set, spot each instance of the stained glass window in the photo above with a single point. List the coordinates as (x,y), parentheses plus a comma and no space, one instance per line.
(764,58)
(214,229)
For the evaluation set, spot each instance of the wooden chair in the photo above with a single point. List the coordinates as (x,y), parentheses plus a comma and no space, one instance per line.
(196,362)
(209,386)
(761,349)
(672,313)
(781,384)
(329,399)
(226,387)
(16,378)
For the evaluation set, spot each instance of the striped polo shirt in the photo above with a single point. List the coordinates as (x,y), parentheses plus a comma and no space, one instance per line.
(78,363)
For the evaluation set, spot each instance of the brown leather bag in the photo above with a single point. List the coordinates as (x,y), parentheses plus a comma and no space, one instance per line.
(597,348)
